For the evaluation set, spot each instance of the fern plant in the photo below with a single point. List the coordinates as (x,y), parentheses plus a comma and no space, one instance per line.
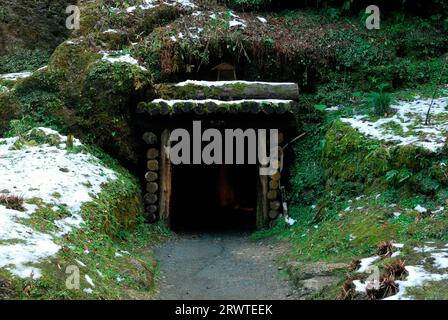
(380,101)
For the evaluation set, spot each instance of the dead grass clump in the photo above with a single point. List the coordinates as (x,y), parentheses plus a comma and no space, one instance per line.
(5,288)
(355,265)
(385,249)
(386,288)
(13,202)
(347,290)
(397,269)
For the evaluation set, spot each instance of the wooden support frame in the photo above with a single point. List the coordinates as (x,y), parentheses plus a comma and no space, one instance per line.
(263,206)
(165,178)
(159,170)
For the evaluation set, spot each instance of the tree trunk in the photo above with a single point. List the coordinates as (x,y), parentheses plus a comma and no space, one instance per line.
(229,90)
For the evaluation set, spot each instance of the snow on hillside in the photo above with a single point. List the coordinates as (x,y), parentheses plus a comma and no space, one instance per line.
(56,177)
(221,102)
(149,4)
(229,83)
(15,76)
(417,276)
(117,57)
(407,125)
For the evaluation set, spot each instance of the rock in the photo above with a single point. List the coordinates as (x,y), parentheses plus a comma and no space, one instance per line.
(318,283)
(301,271)
(312,278)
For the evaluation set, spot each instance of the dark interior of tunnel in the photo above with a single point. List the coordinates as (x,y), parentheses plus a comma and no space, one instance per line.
(217,197)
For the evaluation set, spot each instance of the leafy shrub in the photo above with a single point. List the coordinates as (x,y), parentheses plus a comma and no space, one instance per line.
(248,5)
(398,176)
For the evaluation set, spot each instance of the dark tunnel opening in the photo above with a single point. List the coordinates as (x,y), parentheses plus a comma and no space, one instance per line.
(217,197)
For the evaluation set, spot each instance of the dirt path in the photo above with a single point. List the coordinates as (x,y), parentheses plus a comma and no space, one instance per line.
(221,266)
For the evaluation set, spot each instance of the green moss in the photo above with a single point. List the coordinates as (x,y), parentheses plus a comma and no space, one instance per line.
(17,37)
(350,157)
(70,62)
(9,109)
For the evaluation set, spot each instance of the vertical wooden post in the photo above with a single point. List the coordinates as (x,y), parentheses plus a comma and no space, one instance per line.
(263,206)
(165,177)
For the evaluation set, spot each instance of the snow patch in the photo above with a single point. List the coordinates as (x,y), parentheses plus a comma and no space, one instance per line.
(121,58)
(149,4)
(440,259)
(15,76)
(290,221)
(89,280)
(57,178)
(410,118)
(218,102)
(332,109)
(417,276)
(226,83)
(236,23)
(111,31)
(367,262)
(420,209)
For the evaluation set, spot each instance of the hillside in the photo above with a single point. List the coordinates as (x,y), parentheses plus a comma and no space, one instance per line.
(367,186)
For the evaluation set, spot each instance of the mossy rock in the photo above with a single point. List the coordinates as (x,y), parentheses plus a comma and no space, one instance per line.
(70,62)
(352,157)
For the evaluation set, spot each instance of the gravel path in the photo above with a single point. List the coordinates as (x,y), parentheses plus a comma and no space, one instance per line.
(221,266)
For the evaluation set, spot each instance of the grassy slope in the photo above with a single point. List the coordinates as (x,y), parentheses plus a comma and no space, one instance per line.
(113,247)
(338,66)
(344,202)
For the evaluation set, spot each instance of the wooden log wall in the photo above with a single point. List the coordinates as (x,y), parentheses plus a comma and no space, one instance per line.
(201,107)
(273,194)
(152,176)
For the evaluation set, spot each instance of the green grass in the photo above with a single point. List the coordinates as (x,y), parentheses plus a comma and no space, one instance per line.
(437,290)
(349,165)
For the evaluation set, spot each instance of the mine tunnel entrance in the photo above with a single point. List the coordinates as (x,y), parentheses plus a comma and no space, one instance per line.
(189,196)
(214,197)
